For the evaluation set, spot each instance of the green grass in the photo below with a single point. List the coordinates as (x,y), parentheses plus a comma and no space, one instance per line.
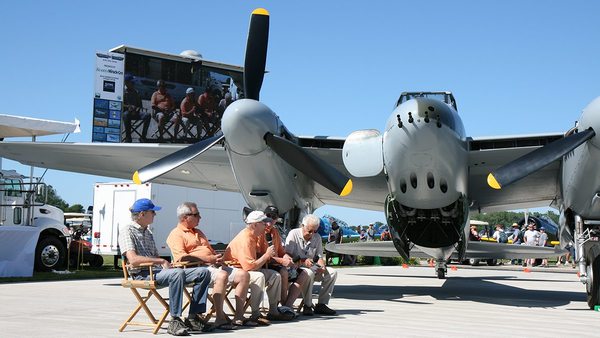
(85,272)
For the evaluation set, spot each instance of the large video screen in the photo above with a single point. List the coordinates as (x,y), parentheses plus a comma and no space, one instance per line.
(168,101)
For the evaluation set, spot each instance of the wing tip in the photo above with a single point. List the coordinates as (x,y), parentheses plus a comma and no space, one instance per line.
(347,188)
(492,182)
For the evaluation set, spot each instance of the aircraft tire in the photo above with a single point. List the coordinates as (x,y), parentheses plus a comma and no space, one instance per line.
(474,261)
(593,291)
(441,274)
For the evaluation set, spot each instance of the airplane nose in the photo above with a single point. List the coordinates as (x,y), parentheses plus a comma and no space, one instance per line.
(245,123)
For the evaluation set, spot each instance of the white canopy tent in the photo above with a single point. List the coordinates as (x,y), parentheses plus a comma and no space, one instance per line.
(20,126)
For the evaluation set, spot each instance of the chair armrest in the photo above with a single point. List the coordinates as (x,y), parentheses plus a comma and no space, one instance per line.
(188,264)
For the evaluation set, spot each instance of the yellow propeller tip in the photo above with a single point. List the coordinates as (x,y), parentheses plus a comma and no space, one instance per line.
(260,11)
(347,189)
(136,178)
(491,181)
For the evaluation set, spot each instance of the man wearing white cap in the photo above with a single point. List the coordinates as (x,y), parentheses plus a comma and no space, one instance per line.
(241,252)
(190,112)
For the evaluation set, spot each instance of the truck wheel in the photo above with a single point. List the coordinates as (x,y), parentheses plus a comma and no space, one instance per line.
(492,262)
(50,254)
(96,261)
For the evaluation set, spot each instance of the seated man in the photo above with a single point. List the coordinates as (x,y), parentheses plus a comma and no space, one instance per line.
(190,112)
(304,245)
(282,262)
(137,244)
(132,110)
(241,253)
(164,109)
(189,244)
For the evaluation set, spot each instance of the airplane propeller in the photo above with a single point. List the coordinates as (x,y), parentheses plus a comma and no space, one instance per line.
(254,69)
(312,166)
(537,159)
(256,53)
(174,160)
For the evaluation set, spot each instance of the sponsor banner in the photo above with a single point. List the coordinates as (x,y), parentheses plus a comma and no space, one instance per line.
(110,73)
(108,97)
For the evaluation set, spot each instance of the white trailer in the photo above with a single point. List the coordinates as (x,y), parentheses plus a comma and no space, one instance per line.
(221,213)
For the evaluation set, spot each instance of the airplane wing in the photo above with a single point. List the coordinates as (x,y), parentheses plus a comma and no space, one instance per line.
(211,170)
(480,250)
(536,190)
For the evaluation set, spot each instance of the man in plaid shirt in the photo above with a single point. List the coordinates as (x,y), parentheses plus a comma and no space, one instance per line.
(137,244)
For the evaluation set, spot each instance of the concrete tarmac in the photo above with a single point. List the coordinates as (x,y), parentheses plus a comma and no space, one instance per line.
(371,302)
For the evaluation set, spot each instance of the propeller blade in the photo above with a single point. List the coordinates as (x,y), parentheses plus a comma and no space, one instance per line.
(256,53)
(312,166)
(537,159)
(174,160)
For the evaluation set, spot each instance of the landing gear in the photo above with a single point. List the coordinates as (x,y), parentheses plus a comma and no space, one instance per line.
(592,285)
(587,252)
(441,268)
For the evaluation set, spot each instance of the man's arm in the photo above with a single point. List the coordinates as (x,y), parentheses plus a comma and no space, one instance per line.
(135,260)
(153,100)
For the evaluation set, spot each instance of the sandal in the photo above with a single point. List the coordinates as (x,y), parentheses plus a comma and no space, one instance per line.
(245,322)
(226,326)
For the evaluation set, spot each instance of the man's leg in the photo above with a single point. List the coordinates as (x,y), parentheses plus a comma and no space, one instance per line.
(328,279)
(201,278)
(175,279)
(308,286)
(241,281)
(296,288)
(219,286)
(144,116)
(127,125)
(273,283)
(257,287)
(284,284)
(176,120)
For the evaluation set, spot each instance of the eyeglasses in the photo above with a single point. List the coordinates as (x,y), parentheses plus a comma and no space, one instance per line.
(151,211)
(195,214)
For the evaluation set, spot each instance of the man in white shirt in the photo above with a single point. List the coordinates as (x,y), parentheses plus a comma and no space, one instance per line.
(305,247)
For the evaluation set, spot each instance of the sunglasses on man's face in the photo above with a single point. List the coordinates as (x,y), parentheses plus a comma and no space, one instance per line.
(197,214)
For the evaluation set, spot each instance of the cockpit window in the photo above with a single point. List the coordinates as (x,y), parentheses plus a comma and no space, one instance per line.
(446,97)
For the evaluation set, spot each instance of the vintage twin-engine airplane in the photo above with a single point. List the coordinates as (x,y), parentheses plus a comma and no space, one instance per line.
(424,172)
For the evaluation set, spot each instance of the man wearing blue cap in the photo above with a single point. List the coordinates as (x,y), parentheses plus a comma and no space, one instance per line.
(137,244)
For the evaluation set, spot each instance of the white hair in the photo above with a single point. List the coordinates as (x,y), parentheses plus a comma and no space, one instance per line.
(311,219)
(185,208)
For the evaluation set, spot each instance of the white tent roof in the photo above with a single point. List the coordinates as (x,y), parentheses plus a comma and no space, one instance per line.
(19,126)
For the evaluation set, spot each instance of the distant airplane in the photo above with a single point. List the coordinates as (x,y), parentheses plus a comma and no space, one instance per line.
(423,171)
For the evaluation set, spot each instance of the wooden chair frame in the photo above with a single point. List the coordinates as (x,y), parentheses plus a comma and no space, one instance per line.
(151,286)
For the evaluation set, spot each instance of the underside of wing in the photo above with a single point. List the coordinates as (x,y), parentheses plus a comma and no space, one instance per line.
(487,250)
(480,250)
(211,170)
(367,192)
(536,190)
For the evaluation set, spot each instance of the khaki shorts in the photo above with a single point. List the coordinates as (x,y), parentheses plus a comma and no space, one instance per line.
(214,271)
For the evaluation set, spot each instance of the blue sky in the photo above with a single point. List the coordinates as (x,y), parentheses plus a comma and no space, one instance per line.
(515,67)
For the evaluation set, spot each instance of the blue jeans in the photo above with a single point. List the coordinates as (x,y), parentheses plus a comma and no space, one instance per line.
(176,280)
